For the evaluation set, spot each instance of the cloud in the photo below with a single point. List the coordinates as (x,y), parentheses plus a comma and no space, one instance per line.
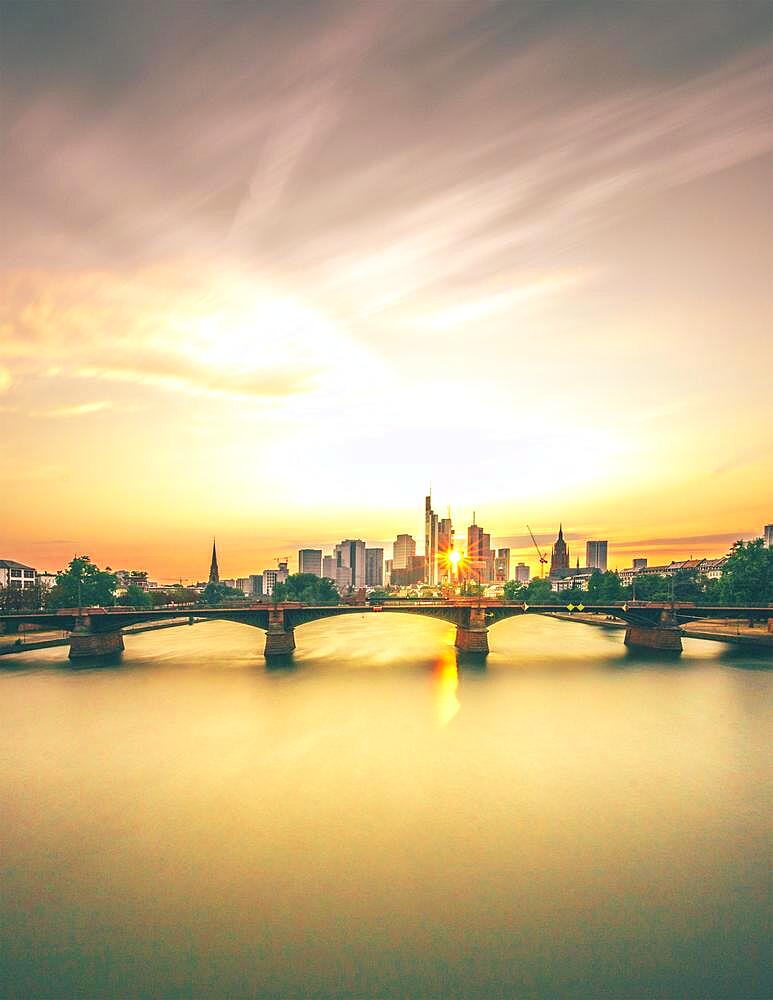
(76,410)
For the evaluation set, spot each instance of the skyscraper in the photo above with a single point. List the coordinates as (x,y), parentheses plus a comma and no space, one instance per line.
(596,555)
(374,567)
(404,551)
(479,565)
(522,572)
(329,567)
(502,566)
(214,573)
(350,554)
(559,561)
(430,542)
(310,561)
(445,543)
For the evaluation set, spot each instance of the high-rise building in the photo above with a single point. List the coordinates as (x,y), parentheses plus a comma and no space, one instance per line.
(329,567)
(769,536)
(502,566)
(638,564)
(256,584)
(522,572)
(559,561)
(374,567)
(430,542)
(214,573)
(479,564)
(404,551)
(412,574)
(310,561)
(270,580)
(596,555)
(350,554)
(445,544)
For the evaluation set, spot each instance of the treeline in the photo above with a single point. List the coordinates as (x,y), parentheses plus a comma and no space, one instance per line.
(83,584)
(747,579)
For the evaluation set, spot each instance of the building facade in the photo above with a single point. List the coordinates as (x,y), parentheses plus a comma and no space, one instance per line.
(559,558)
(404,551)
(374,567)
(502,566)
(430,542)
(350,554)
(596,555)
(769,536)
(329,567)
(310,561)
(16,574)
(522,572)
(214,572)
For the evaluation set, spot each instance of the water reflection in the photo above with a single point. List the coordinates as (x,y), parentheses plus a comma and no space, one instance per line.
(445,682)
(191,824)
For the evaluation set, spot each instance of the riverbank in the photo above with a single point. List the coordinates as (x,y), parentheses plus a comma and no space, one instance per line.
(724,631)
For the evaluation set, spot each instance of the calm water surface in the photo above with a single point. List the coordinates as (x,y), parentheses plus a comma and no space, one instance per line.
(571,821)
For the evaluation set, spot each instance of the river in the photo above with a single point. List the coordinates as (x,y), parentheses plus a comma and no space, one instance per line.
(574,820)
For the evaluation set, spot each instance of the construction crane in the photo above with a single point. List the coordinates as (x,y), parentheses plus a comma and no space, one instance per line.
(542,558)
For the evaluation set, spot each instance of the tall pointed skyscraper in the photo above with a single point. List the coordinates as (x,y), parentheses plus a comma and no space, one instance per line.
(214,574)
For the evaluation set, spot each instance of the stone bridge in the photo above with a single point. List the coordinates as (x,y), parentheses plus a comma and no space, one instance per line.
(97,632)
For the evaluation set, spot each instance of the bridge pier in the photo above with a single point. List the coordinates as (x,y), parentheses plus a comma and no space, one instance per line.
(280,640)
(472,637)
(665,636)
(87,644)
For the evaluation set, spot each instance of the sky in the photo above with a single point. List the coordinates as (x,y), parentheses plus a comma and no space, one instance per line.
(271,269)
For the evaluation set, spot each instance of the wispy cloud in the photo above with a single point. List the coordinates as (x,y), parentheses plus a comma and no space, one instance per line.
(76,410)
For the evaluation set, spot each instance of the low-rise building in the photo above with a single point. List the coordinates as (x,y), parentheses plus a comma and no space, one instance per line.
(16,574)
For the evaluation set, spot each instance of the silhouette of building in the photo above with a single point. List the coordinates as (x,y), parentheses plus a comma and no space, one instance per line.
(404,551)
(559,560)
(214,573)
(640,563)
(430,541)
(596,555)
(409,575)
(502,566)
(445,544)
(310,561)
(350,554)
(374,567)
(522,572)
(479,564)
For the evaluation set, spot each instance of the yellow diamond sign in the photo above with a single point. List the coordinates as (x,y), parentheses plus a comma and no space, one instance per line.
(570,607)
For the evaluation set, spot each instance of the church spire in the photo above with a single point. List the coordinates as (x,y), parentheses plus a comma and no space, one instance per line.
(214,574)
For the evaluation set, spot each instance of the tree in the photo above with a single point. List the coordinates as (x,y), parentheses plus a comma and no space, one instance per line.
(514,590)
(218,593)
(135,597)
(22,598)
(307,588)
(652,587)
(747,576)
(83,584)
(539,592)
(604,588)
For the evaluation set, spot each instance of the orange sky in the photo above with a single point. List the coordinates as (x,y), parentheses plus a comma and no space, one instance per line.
(268,276)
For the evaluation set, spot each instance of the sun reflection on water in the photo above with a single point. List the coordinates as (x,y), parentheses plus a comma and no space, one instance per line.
(445,682)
